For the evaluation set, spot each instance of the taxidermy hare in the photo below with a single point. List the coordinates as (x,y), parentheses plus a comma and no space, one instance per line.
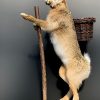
(59,24)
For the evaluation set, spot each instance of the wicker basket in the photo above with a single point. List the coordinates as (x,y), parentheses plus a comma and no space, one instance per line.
(84,28)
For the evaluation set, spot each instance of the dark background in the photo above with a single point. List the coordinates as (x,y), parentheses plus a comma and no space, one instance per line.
(19,58)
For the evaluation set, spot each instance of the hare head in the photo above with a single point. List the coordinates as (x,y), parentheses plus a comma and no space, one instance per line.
(53,3)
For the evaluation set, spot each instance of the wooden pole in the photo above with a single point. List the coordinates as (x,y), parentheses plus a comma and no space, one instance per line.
(42,57)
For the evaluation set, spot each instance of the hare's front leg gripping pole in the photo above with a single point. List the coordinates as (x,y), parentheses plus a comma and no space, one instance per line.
(42,57)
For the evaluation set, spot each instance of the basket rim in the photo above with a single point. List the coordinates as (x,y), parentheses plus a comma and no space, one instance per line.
(85,20)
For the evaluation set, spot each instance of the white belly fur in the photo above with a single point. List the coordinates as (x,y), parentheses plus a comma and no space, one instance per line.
(59,49)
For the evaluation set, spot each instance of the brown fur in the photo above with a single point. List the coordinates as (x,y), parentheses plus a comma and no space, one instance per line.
(76,67)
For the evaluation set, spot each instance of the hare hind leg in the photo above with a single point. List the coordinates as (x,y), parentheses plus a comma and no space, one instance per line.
(67,96)
(74,82)
(74,90)
(62,74)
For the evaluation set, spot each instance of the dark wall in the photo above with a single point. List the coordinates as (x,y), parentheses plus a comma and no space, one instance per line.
(19,58)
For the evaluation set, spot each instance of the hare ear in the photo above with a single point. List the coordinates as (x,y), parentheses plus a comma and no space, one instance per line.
(64,1)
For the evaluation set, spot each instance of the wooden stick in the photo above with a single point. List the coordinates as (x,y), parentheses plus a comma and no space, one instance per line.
(42,57)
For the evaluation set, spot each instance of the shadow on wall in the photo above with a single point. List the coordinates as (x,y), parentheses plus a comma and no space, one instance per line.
(52,60)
